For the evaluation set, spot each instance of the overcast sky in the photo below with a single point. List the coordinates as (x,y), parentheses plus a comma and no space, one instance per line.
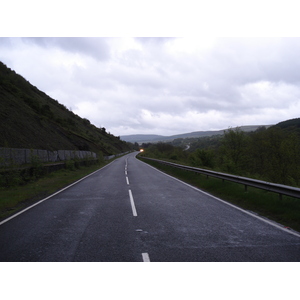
(163,85)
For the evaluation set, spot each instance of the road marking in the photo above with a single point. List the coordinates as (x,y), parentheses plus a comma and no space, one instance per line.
(127,180)
(146,257)
(132,204)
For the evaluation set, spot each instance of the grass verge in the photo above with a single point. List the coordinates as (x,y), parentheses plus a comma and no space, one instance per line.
(17,198)
(285,211)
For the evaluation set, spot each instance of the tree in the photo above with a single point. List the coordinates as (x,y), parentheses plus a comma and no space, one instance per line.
(282,156)
(234,148)
(202,158)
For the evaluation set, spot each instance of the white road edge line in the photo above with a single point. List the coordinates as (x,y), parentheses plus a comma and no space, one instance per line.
(132,204)
(232,205)
(29,207)
(146,257)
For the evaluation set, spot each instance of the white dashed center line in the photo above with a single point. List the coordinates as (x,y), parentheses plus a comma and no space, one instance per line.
(132,204)
(146,257)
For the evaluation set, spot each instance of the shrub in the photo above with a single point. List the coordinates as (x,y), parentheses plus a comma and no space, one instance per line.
(70,165)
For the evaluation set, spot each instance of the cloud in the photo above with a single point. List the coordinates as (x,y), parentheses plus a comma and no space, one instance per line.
(155,41)
(94,47)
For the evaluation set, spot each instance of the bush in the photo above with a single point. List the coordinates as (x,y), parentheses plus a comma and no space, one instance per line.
(202,158)
(70,165)
(36,167)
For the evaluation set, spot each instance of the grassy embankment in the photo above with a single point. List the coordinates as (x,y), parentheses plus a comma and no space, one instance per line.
(285,211)
(17,197)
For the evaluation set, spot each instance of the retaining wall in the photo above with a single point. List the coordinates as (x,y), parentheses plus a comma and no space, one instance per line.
(12,156)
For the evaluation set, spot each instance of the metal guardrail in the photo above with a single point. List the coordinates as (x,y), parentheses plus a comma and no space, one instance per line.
(264,185)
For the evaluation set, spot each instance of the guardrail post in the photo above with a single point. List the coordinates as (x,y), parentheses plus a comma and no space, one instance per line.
(246,187)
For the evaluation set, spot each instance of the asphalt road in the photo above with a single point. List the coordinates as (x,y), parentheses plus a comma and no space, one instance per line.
(130,212)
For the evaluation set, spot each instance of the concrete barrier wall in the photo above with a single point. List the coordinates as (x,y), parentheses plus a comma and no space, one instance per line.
(15,156)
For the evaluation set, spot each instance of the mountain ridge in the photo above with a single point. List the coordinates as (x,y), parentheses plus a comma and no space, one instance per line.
(152,138)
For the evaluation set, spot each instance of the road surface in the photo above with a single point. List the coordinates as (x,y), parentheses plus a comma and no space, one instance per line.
(130,212)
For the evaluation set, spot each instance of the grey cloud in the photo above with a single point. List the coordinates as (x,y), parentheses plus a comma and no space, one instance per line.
(153,40)
(140,81)
(232,64)
(89,46)
(5,42)
(247,60)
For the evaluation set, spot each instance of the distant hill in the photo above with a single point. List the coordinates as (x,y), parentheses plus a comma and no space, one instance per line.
(144,138)
(31,119)
(290,125)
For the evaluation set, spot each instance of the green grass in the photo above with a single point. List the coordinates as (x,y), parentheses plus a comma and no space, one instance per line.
(16,198)
(285,211)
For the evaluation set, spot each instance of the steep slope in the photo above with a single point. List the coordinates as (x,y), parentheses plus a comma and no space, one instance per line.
(31,119)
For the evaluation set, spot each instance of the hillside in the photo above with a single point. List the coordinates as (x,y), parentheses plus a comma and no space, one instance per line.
(292,125)
(31,119)
(144,138)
